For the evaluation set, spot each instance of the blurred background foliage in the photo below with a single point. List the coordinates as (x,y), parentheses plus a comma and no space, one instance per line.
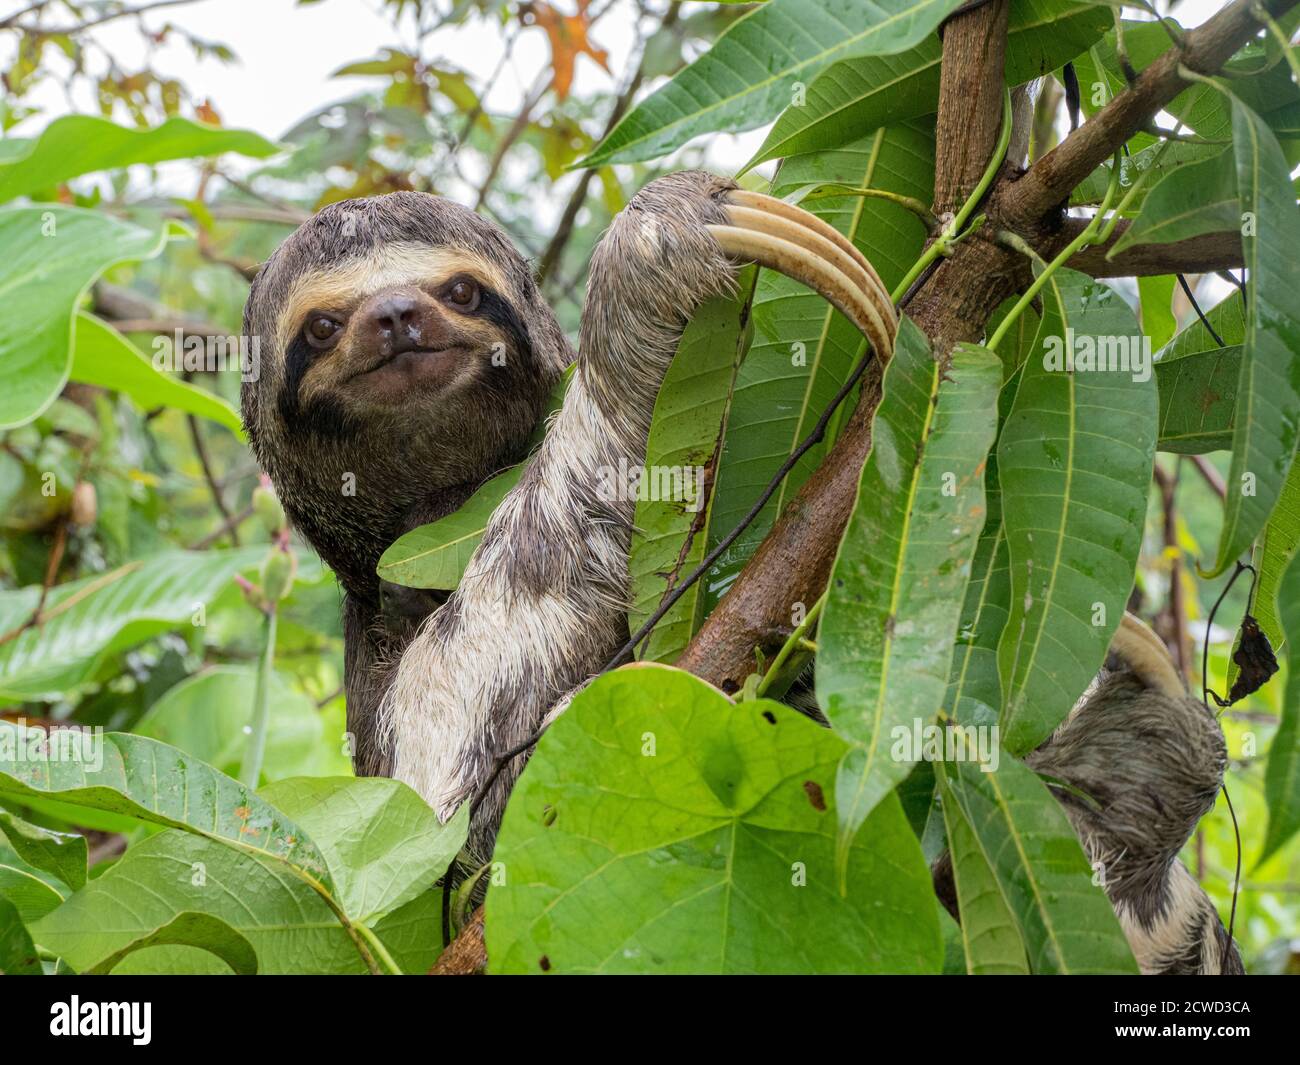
(134,483)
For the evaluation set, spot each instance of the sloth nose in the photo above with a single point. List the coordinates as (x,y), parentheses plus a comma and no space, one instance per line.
(395,319)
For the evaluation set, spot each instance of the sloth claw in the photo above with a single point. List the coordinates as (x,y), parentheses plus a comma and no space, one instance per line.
(800,245)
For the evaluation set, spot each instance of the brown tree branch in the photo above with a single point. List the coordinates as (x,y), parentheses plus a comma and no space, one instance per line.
(1198,255)
(1049,182)
(466,955)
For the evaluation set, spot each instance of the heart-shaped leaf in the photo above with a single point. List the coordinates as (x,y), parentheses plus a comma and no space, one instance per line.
(660,828)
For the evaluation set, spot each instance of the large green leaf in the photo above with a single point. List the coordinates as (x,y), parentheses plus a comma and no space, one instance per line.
(87,619)
(61,854)
(895,596)
(17,952)
(990,935)
(149,781)
(1189,201)
(1268,393)
(201,931)
(81,144)
(435,555)
(1198,400)
(1197,381)
(52,254)
(288,925)
(803,349)
(973,680)
(753,68)
(659,828)
(32,891)
(1282,773)
(671,529)
(1074,462)
(1066,922)
(206,715)
(1273,554)
(854,96)
(382,842)
(102,356)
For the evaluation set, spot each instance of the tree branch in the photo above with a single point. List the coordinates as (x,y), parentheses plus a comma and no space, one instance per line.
(1198,255)
(1050,180)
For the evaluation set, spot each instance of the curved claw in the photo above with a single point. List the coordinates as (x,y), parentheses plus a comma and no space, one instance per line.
(800,245)
(1147,656)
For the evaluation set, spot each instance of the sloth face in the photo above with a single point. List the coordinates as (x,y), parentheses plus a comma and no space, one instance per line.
(404,350)
(405,312)
(379,334)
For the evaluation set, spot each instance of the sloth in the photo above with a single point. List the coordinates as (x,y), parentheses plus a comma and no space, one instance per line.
(410,358)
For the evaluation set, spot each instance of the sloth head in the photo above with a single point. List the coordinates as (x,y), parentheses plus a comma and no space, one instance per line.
(404,352)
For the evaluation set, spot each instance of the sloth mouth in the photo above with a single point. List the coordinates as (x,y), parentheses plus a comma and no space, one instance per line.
(409,361)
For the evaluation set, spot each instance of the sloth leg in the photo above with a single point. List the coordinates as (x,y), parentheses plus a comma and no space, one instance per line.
(1151,758)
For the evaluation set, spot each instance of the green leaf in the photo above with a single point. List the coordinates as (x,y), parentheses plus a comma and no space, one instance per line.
(102,356)
(973,675)
(1189,201)
(1198,400)
(81,144)
(854,96)
(803,349)
(205,715)
(151,782)
(990,935)
(671,528)
(1273,554)
(751,71)
(1268,393)
(88,619)
(381,841)
(1066,923)
(895,596)
(1282,773)
(189,929)
(1155,297)
(33,891)
(435,555)
(288,925)
(61,854)
(660,828)
(52,256)
(1074,462)
(1198,381)
(17,953)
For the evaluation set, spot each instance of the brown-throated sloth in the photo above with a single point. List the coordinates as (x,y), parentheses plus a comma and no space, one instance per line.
(410,355)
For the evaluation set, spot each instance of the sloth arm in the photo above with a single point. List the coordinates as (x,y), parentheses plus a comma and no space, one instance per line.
(543,602)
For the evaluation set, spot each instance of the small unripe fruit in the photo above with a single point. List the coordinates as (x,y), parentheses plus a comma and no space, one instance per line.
(268,509)
(278,572)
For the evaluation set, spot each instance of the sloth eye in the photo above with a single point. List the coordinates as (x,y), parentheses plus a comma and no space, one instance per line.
(321,330)
(464,294)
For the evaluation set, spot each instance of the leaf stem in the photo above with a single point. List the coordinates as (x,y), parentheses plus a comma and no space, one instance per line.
(250,769)
(954,230)
(910,203)
(791,645)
